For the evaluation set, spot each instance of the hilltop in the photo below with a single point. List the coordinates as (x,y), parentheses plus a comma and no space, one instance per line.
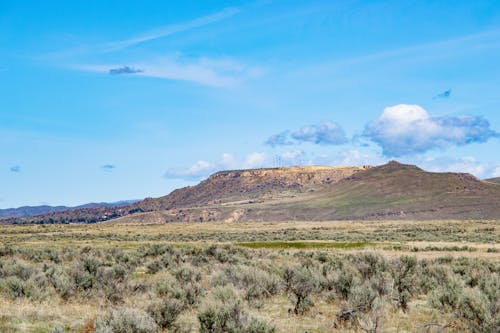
(392,190)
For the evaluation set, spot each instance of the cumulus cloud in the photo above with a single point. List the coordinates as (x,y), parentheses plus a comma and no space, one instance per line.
(325,133)
(408,129)
(108,167)
(125,70)
(280,139)
(328,133)
(15,168)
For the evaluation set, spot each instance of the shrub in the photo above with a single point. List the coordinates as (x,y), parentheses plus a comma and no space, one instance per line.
(365,308)
(187,273)
(302,283)
(154,267)
(61,282)
(189,293)
(434,276)
(346,278)
(125,320)
(224,313)
(474,309)
(404,271)
(447,296)
(17,288)
(256,282)
(368,264)
(166,311)
(164,284)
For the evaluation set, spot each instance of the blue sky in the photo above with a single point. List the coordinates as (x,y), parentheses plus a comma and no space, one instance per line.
(112,100)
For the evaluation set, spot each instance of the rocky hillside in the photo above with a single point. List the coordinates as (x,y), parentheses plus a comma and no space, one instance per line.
(390,191)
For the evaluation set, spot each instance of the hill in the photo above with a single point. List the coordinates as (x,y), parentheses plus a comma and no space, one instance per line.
(26,211)
(493,180)
(392,190)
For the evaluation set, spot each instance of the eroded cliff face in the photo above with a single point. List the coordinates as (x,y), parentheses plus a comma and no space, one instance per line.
(304,176)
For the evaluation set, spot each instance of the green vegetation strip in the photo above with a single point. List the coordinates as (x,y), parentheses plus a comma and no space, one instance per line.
(306,245)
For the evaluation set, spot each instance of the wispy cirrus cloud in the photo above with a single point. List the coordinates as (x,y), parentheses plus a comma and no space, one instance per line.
(409,129)
(202,70)
(439,49)
(140,38)
(168,30)
(324,133)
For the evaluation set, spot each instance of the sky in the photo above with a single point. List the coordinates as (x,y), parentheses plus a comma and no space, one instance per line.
(114,100)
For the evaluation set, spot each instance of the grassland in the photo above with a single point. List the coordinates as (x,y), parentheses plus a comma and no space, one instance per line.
(346,276)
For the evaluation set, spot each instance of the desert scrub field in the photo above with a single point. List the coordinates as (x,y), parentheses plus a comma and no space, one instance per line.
(251,277)
(455,233)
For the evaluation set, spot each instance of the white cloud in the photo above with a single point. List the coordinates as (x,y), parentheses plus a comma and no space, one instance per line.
(408,129)
(354,157)
(496,172)
(292,155)
(202,169)
(466,164)
(256,160)
(198,170)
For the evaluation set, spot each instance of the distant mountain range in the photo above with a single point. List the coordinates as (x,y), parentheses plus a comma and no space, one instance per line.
(494,180)
(389,191)
(27,211)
